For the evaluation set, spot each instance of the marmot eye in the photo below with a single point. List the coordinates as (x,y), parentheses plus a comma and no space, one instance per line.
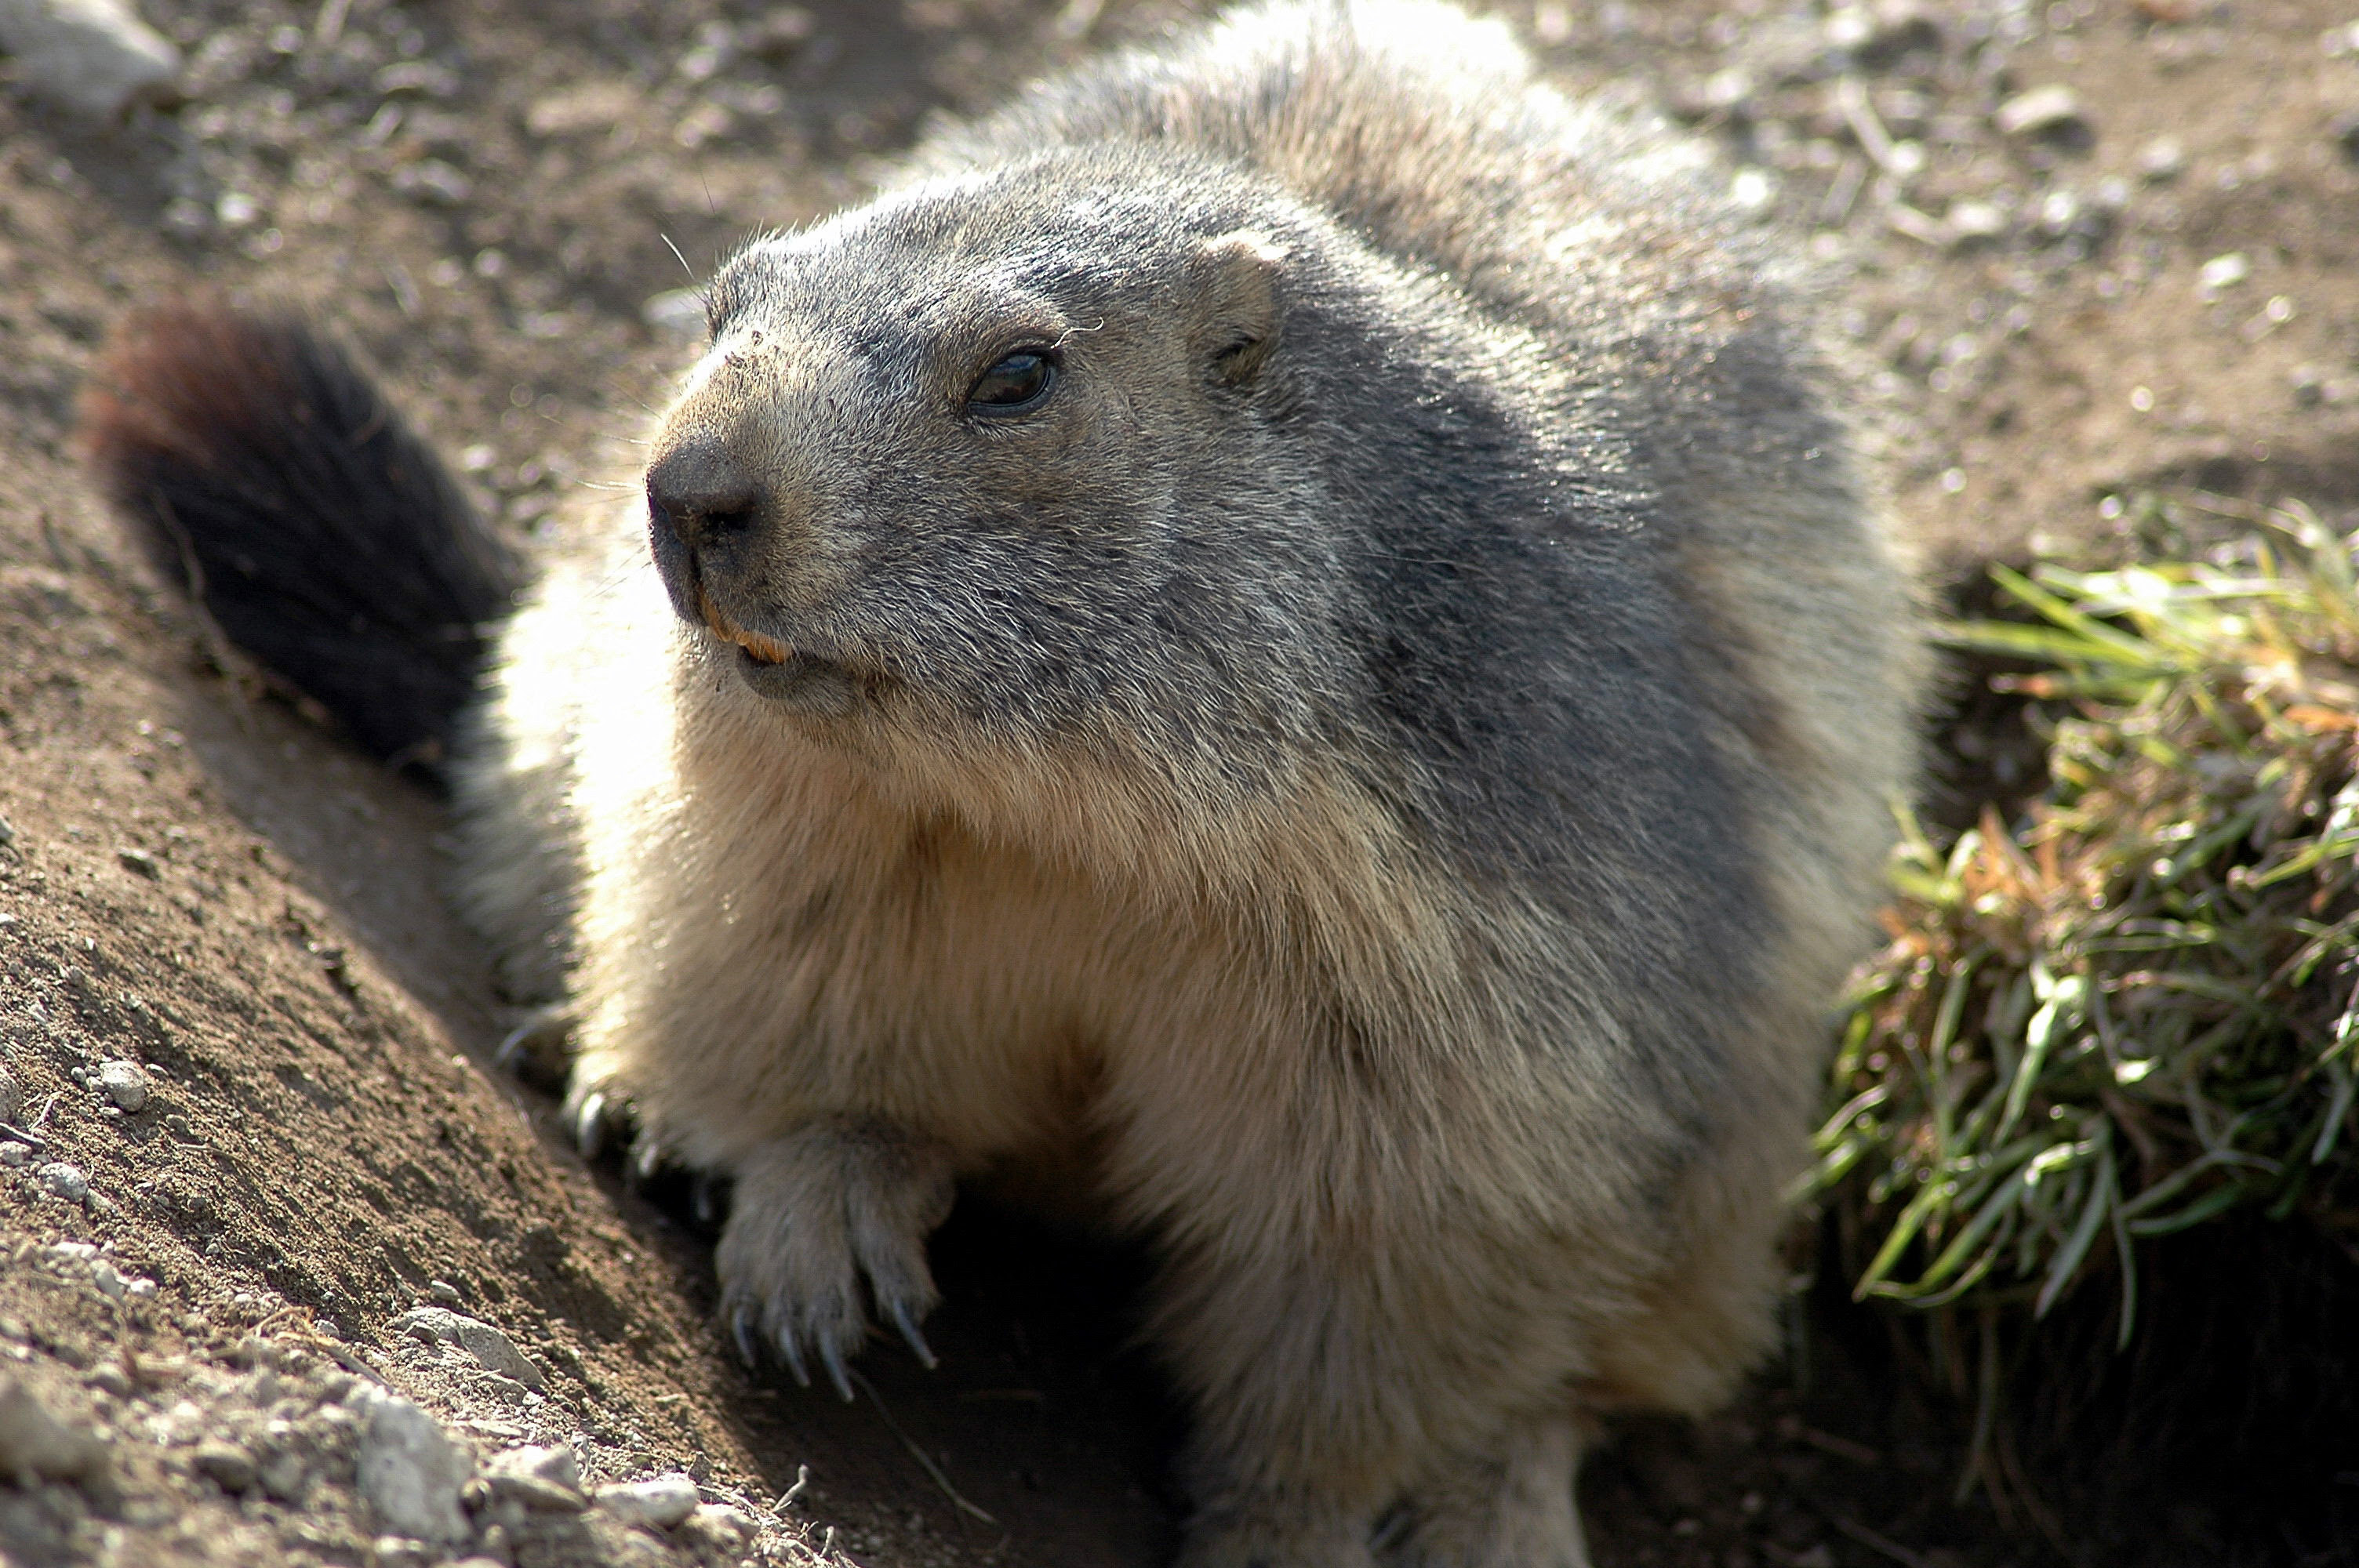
(1015,383)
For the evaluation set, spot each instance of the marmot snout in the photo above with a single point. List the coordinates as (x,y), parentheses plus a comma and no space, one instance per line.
(1289,630)
(961,485)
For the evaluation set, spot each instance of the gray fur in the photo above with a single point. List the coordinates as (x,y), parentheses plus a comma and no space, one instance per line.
(1379,773)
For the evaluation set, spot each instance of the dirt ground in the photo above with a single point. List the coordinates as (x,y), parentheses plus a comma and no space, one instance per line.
(2091,249)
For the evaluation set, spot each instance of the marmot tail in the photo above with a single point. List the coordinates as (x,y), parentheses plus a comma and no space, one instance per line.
(262,469)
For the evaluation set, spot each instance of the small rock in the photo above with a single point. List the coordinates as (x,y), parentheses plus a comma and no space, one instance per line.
(284,1477)
(139,862)
(2162,159)
(64,1181)
(543,1478)
(492,1350)
(433,181)
(2222,273)
(8,833)
(727,1531)
(14,1154)
(410,1469)
(780,31)
(227,1466)
(1975,222)
(94,57)
(1753,190)
(125,1084)
(34,1445)
(400,1551)
(2052,111)
(12,1096)
(660,1503)
(2059,211)
(421,76)
(109,1378)
(553,1462)
(1873,33)
(596,107)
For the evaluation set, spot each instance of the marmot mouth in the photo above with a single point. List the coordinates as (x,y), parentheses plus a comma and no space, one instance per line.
(760,649)
(774,670)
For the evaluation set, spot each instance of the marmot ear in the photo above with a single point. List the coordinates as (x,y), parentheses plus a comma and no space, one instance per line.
(1233,284)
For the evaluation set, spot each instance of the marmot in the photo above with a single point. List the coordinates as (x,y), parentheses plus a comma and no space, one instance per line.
(1292,625)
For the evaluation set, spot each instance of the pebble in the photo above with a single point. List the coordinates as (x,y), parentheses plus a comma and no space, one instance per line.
(492,1350)
(2162,159)
(125,1084)
(12,1096)
(227,1466)
(2222,273)
(64,1181)
(410,1469)
(35,1443)
(544,1478)
(728,1530)
(284,1477)
(94,57)
(1972,222)
(115,1285)
(14,1154)
(660,1503)
(2042,111)
(396,1551)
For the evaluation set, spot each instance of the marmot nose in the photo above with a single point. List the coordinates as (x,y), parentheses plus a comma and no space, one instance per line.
(701,494)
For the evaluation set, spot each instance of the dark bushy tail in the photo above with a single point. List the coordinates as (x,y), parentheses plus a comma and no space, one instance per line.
(263,471)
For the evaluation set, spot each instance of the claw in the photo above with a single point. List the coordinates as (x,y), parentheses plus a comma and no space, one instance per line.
(704,1197)
(536,1048)
(902,1321)
(646,1159)
(741,1328)
(590,1125)
(833,1359)
(794,1355)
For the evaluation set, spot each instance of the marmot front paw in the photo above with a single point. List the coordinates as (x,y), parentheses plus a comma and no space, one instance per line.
(814,1213)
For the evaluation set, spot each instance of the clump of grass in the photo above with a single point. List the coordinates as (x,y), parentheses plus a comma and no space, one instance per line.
(2133,1011)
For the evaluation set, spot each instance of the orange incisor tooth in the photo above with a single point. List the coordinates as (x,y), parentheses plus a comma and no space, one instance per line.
(753,643)
(761,648)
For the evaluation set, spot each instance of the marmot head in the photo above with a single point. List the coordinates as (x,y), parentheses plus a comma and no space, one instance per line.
(1004,454)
